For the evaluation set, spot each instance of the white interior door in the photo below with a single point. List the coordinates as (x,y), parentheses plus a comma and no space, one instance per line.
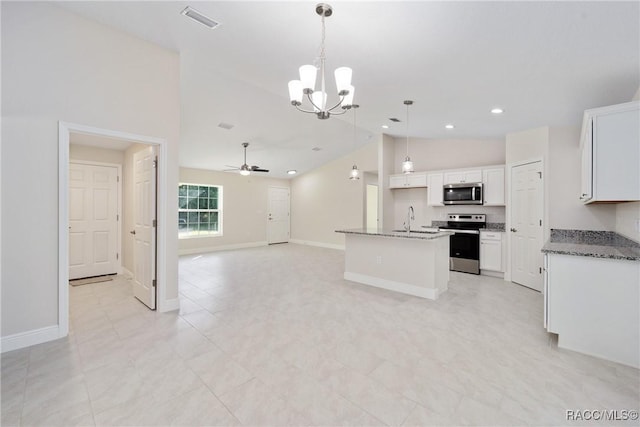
(93,220)
(144,232)
(526,225)
(278,216)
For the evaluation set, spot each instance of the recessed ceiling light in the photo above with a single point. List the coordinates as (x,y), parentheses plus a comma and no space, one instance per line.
(497,111)
(199,17)
(224,125)
(292,172)
(316,149)
(449,126)
(385,127)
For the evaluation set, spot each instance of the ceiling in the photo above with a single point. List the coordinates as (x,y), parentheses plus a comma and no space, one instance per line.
(544,63)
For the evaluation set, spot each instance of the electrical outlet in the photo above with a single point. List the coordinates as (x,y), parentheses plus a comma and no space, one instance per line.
(379,260)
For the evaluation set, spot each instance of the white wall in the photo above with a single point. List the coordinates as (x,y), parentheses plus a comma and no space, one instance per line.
(386,161)
(628,220)
(59,66)
(565,209)
(95,154)
(325,199)
(245,209)
(628,214)
(436,154)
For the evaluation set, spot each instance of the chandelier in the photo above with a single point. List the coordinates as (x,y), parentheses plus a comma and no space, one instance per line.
(306,84)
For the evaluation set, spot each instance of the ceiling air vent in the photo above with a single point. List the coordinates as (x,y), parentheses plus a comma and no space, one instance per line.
(199,17)
(224,125)
(393,119)
(316,149)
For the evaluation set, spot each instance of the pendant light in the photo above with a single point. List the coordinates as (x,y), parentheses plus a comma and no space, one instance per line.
(407,165)
(355,173)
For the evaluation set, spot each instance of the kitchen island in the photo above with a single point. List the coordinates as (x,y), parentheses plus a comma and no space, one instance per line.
(414,263)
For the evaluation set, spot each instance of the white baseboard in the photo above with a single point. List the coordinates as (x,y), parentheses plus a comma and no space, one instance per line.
(207,249)
(391,285)
(169,305)
(127,273)
(29,338)
(318,244)
(492,273)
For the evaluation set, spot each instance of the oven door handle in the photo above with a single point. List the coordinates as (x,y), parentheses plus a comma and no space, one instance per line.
(455,230)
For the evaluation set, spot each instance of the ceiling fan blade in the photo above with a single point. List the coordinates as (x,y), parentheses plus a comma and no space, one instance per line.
(233,167)
(259,170)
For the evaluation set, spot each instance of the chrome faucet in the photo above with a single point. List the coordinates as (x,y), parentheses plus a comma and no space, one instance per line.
(410,216)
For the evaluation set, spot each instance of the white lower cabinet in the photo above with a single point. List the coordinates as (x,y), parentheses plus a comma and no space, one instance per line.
(593,304)
(491,251)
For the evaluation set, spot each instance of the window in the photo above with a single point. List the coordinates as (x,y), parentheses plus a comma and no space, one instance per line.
(199,210)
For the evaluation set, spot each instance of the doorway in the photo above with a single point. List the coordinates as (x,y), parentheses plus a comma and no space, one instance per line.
(113,140)
(526,219)
(278,215)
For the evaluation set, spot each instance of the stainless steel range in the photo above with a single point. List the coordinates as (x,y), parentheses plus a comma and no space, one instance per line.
(464,245)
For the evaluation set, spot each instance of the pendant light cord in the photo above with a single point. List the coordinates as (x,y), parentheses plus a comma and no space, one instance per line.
(407,130)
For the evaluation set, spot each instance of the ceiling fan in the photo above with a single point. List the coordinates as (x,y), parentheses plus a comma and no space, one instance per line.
(245,169)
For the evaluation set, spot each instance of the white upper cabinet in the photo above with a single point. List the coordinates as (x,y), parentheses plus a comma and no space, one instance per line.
(493,180)
(610,150)
(458,177)
(410,180)
(435,181)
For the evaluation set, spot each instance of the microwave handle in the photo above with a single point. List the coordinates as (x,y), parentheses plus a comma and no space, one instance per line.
(473,192)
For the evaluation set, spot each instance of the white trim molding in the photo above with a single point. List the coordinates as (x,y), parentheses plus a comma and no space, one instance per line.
(391,285)
(318,244)
(29,338)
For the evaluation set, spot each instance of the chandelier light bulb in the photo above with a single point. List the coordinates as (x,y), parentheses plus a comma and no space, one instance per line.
(295,92)
(308,77)
(343,80)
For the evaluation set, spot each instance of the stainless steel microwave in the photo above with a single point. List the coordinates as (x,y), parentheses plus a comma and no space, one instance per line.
(462,194)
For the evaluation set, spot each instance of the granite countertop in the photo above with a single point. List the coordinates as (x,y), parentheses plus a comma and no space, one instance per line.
(596,244)
(423,235)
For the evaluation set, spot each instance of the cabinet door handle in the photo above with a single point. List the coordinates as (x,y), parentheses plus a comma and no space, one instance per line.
(133,232)
(513,230)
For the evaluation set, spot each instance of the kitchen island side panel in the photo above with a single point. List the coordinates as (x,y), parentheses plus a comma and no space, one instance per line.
(413,266)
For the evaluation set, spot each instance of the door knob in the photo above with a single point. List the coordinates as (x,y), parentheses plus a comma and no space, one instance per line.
(133,232)
(514,230)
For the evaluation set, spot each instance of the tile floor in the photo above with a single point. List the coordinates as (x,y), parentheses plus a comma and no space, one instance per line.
(275,336)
